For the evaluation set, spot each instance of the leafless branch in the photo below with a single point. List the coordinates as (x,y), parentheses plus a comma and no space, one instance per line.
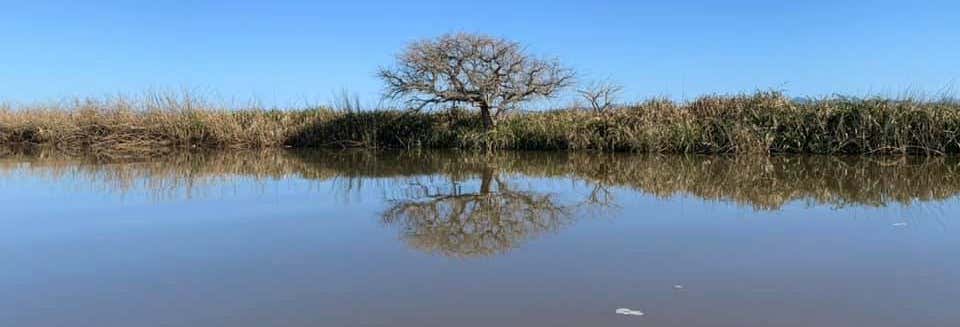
(494,75)
(601,96)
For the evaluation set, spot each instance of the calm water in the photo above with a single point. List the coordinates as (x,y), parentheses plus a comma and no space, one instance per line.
(448,239)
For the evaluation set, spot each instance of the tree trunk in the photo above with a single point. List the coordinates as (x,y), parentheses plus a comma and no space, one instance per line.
(487,117)
(486,179)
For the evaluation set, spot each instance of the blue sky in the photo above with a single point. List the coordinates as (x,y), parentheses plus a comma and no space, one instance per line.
(290,52)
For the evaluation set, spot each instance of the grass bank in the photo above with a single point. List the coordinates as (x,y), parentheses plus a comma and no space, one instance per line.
(766,122)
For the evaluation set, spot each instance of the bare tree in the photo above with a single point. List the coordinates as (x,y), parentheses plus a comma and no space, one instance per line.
(600,95)
(494,75)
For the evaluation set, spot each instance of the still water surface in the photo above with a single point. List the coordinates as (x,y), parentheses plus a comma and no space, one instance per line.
(453,239)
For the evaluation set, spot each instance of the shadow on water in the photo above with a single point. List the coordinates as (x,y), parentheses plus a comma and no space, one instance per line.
(466,204)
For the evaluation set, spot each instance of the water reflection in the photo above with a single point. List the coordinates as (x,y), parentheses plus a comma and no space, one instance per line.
(467,204)
(763,183)
(312,238)
(489,220)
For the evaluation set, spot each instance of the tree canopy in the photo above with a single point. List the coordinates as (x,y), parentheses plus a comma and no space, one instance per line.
(491,74)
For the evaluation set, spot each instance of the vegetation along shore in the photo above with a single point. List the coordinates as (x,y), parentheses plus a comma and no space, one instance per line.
(467,91)
(766,122)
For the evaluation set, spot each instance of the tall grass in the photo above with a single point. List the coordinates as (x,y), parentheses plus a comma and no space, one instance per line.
(764,122)
(153,124)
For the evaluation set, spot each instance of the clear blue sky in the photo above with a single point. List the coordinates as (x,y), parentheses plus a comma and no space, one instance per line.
(285,52)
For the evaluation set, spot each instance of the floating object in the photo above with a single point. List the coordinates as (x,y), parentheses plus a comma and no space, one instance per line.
(899,224)
(629,312)
(678,287)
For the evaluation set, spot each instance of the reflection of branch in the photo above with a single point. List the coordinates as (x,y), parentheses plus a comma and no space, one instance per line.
(600,195)
(490,221)
(763,183)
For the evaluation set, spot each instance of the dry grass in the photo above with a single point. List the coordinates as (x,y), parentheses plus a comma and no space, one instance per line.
(758,123)
(765,122)
(152,125)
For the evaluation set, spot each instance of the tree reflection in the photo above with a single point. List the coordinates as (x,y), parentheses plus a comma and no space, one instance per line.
(763,183)
(472,204)
(490,220)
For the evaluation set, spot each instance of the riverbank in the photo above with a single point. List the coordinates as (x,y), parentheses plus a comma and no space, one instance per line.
(765,122)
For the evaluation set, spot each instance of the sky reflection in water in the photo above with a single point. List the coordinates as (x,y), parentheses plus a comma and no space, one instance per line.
(447,238)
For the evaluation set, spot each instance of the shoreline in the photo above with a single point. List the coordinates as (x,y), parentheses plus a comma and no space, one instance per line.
(760,123)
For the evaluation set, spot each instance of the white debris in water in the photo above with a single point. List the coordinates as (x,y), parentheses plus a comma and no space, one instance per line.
(899,224)
(678,287)
(629,312)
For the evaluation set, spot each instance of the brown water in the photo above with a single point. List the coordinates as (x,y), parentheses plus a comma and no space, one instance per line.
(448,239)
